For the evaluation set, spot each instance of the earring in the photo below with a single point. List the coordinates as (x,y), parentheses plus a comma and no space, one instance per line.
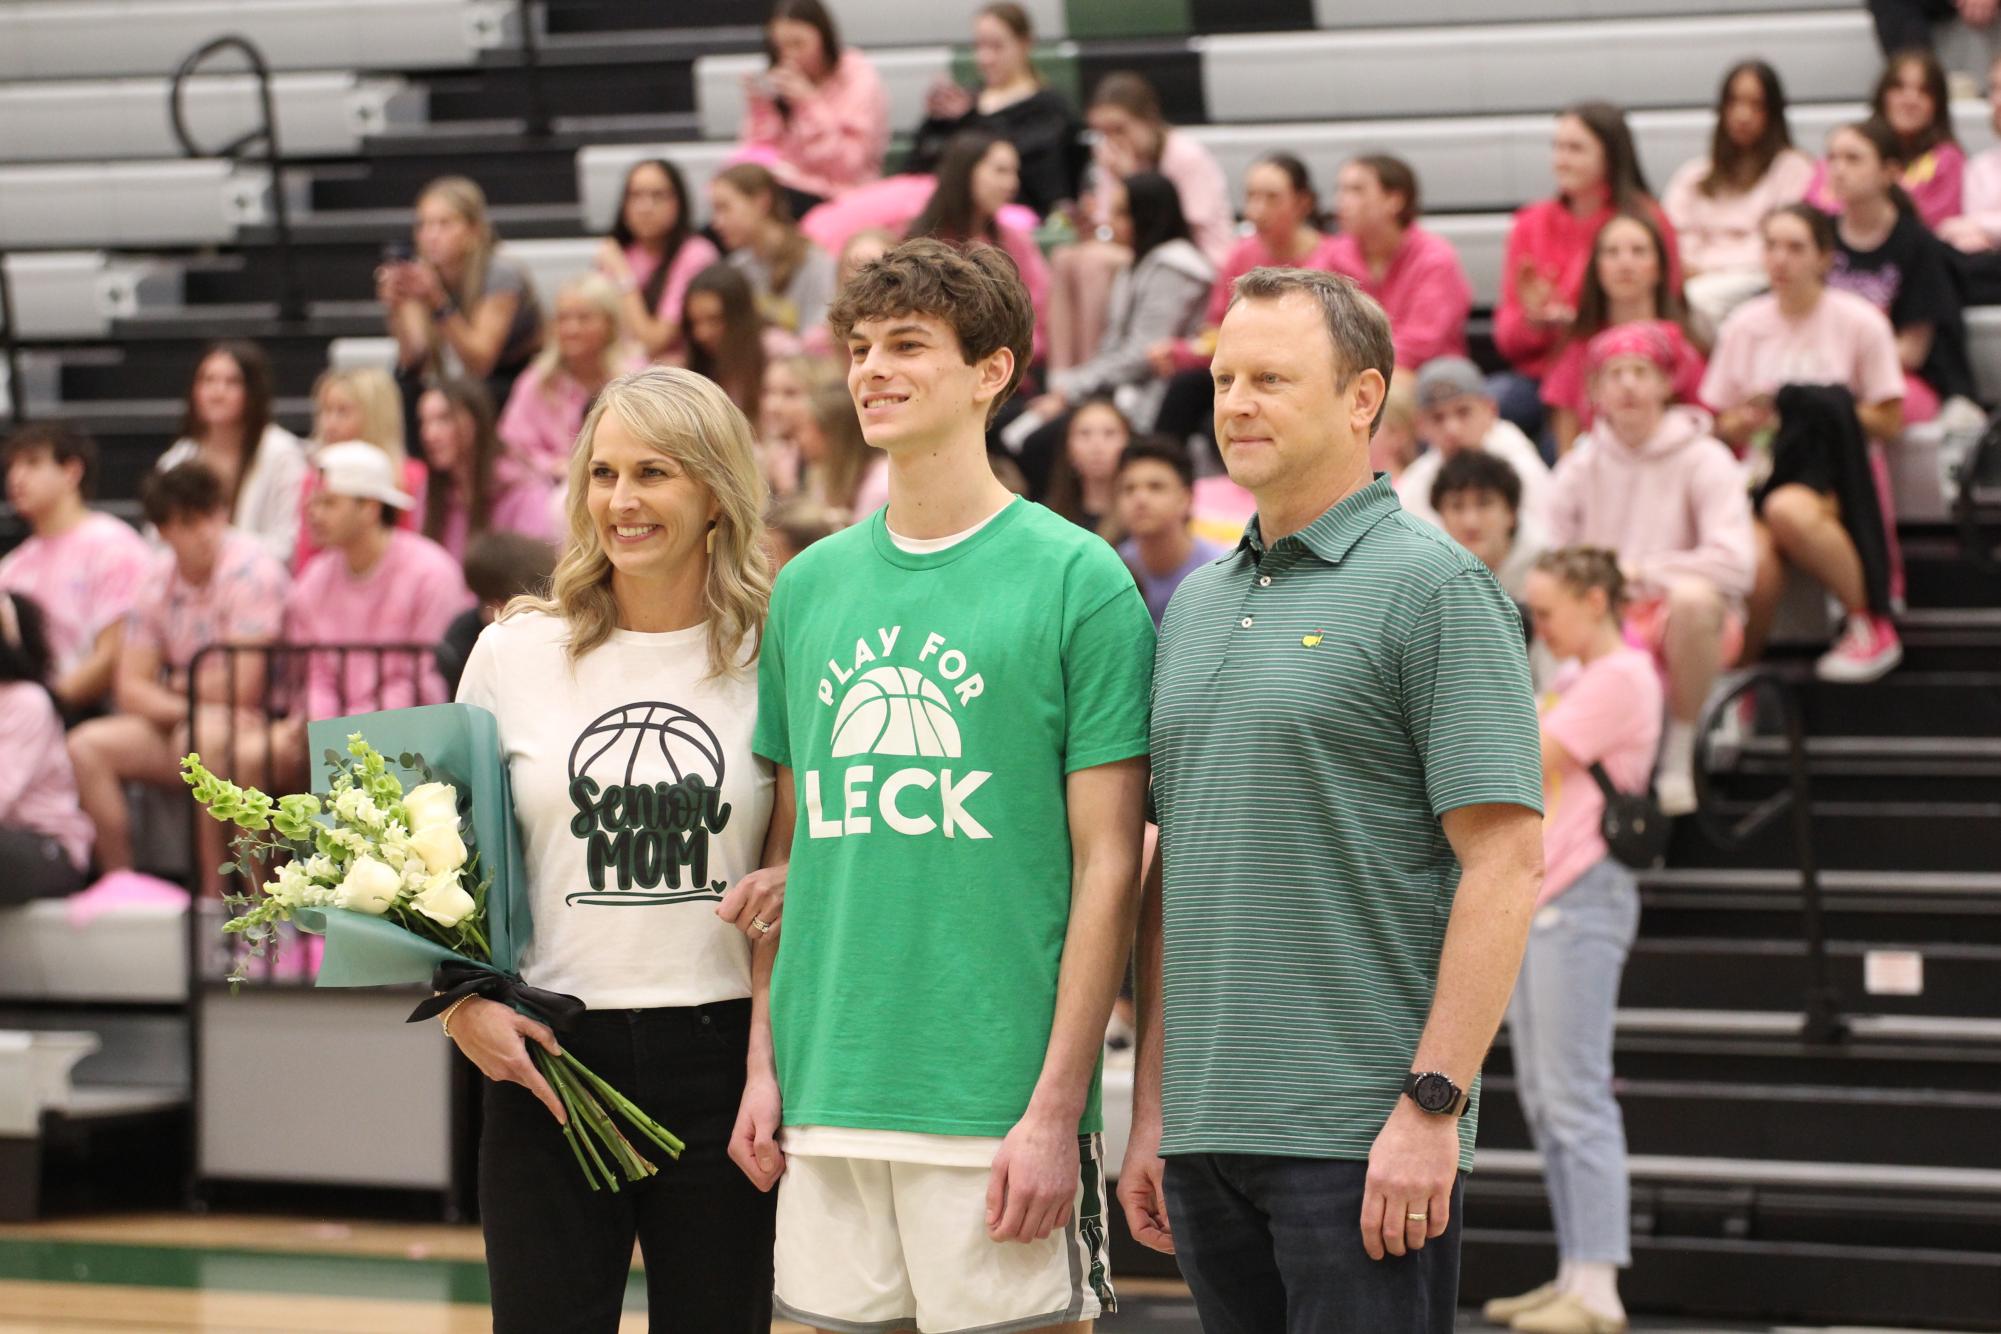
(710,544)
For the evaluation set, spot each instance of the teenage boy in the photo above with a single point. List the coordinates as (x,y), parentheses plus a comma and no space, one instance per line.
(219,586)
(1478,500)
(1457,414)
(958,686)
(81,567)
(1155,495)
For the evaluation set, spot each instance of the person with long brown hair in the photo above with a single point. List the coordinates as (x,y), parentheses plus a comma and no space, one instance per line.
(653,252)
(475,485)
(625,702)
(817,115)
(457,306)
(1912,100)
(727,340)
(792,278)
(1627,283)
(1717,201)
(227,426)
(1012,102)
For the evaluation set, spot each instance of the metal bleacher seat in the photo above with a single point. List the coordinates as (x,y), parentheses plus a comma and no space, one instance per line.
(601,172)
(318,114)
(1390,13)
(1983,332)
(901,22)
(68,39)
(76,294)
(1466,70)
(195,202)
(906,74)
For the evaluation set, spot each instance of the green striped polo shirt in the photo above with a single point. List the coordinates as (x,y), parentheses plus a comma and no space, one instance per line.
(1317,705)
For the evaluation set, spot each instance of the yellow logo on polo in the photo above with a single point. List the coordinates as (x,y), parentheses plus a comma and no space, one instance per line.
(1312,640)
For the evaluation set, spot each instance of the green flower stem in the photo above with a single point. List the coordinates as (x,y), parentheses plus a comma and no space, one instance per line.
(556,1081)
(568,1094)
(636,1167)
(473,933)
(647,1126)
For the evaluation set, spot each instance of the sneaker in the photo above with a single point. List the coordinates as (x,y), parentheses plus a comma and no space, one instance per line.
(1567,1315)
(1867,651)
(1503,1310)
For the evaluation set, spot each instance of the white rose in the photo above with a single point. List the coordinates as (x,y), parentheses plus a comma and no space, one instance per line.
(443,899)
(370,887)
(440,847)
(430,805)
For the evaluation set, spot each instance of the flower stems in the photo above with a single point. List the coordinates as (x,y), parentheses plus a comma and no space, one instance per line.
(589,1125)
(645,1124)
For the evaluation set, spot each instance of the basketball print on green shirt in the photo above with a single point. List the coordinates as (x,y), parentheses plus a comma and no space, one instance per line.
(647,781)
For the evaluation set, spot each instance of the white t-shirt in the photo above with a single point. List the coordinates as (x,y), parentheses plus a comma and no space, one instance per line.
(639,802)
(1505,441)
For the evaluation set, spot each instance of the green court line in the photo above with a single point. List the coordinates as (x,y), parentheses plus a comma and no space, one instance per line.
(235,1270)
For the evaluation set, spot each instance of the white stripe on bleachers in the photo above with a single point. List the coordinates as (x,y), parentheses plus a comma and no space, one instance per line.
(197,202)
(76,294)
(1407,13)
(318,114)
(80,39)
(886,23)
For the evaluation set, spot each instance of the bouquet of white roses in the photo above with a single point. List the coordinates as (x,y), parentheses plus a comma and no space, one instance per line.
(368,849)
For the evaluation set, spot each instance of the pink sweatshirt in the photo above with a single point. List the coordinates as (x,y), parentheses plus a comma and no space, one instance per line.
(1981,195)
(1558,243)
(833,141)
(1674,508)
(1249,253)
(1934,182)
(1719,233)
(696,253)
(1202,188)
(1423,290)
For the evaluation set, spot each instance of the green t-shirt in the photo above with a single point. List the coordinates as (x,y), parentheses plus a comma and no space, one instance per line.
(930,707)
(1318,705)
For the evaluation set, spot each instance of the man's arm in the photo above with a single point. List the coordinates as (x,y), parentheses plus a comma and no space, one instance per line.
(92,678)
(1416,1157)
(754,1142)
(1035,1173)
(139,690)
(1140,1189)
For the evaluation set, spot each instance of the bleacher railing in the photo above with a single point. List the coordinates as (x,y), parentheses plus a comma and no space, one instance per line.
(1823,1022)
(535,123)
(17,410)
(291,307)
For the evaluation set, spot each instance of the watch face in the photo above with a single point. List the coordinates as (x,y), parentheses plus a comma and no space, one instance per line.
(1435,1093)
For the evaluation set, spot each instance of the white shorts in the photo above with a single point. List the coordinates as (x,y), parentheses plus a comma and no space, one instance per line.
(866,1246)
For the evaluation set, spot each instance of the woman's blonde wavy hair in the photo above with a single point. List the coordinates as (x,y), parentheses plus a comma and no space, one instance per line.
(687,418)
(381,403)
(596,291)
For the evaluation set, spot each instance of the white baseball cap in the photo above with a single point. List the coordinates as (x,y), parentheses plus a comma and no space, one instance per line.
(357,468)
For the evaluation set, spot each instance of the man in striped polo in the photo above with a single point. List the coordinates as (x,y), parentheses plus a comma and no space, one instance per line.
(1347,775)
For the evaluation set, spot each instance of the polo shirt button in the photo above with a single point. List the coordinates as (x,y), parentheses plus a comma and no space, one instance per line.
(1246,622)
(1264,581)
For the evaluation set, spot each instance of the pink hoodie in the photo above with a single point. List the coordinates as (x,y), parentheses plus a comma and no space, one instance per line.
(1673,508)
(830,143)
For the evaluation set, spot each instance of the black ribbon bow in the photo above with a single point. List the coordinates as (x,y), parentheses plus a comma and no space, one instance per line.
(455,979)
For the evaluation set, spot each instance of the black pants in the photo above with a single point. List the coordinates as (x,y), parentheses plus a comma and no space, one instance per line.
(1270,1244)
(36,867)
(1906,25)
(558,1256)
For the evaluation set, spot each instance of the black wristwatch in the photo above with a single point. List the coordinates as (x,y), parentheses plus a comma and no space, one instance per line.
(1435,1093)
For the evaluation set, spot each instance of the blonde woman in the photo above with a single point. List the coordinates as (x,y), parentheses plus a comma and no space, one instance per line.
(359,403)
(457,307)
(626,701)
(588,352)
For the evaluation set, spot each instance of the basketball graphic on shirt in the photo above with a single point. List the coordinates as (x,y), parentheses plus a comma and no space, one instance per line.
(647,743)
(895,711)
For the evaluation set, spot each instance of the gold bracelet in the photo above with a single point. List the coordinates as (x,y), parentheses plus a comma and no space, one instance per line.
(445,1019)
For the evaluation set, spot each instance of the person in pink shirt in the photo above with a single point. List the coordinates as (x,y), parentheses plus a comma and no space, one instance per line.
(1911,97)
(652,254)
(356,403)
(1627,283)
(1977,230)
(44,834)
(1597,173)
(475,485)
(1717,201)
(1651,483)
(819,116)
(550,399)
(1603,716)
(373,583)
(1284,212)
(84,569)
(1803,332)
(216,585)
(1132,136)
(1414,276)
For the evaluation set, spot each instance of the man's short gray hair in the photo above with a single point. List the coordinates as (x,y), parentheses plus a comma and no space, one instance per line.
(1357,326)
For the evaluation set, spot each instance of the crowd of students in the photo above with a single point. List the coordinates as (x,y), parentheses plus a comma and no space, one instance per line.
(1704,382)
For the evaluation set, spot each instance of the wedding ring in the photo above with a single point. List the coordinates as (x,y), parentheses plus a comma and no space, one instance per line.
(1418,1218)
(763,927)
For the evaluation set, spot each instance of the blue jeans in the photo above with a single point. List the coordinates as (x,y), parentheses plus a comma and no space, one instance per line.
(1560,1027)
(1271,1244)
